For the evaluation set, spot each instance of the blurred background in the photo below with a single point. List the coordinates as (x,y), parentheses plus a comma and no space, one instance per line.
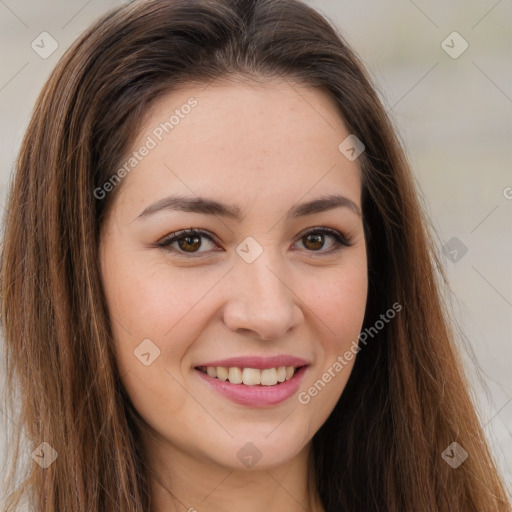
(444,73)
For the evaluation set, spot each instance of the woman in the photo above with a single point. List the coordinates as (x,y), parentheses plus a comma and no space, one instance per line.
(218,288)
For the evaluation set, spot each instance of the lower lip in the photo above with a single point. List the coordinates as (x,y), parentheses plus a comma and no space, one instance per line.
(256,396)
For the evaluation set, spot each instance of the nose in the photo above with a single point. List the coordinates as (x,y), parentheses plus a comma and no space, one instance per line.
(262,301)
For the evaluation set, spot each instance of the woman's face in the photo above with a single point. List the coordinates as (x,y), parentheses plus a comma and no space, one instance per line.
(265,285)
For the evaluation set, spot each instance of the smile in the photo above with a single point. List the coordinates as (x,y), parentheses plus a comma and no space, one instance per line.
(250,376)
(254,381)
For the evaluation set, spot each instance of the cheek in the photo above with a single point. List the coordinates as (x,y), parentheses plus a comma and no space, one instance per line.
(168,306)
(339,300)
(161,310)
(152,299)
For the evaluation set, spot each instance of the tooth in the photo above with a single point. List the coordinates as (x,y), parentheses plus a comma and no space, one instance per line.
(269,377)
(251,376)
(289,372)
(235,375)
(281,374)
(211,371)
(222,373)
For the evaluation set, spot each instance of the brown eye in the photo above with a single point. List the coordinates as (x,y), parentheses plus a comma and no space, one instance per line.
(313,241)
(190,243)
(187,242)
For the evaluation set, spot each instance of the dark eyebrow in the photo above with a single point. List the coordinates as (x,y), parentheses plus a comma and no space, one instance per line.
(207,206)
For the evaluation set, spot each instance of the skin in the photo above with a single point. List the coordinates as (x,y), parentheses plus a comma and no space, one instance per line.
(263,148)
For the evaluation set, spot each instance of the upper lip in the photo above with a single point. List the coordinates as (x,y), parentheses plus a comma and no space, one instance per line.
(257,362)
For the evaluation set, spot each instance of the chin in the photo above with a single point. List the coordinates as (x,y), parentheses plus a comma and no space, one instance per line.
(262,448)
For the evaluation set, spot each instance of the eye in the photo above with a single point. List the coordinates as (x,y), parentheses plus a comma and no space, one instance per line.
(188,242)
(314,240)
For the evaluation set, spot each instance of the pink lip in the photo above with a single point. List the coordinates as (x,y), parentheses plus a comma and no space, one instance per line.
(256,396)
(258,362)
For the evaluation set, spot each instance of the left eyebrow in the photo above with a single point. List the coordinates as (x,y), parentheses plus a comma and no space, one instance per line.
(323,204)
(206,206)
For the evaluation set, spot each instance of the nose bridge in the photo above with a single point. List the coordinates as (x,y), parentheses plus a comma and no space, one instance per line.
(262,300)
(267,280)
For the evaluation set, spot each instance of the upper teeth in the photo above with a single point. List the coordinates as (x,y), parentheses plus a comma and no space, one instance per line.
(251,376)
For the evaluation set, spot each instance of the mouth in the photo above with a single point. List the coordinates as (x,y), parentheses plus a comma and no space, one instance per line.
(251,376)
(254,382)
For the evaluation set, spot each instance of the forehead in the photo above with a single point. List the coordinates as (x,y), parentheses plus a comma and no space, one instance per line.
(276,141)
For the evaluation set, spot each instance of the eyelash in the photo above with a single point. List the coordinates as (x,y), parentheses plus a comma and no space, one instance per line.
(341,241)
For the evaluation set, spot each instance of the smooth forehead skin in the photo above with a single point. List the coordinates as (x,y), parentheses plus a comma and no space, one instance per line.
(243,143)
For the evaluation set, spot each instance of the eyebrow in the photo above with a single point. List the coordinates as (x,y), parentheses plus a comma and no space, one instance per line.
(206,206)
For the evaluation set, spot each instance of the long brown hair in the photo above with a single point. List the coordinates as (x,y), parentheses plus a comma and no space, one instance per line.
(406,400)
